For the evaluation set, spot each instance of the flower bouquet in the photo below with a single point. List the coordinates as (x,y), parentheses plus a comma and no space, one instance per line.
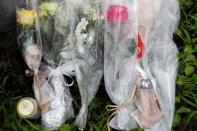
(56,25)
(88,54)
(30,44)
(156,26)
(120,59)
(35,20)
(140,60)
(72,46)
(29,39)
(134,66)
(76,44)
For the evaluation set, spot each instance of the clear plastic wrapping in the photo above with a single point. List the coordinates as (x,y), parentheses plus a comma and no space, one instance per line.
(52,93)
(89,55)
(119,57)
(56,106)
(140,63)
(72,42)
(36,20)
(29,33)
(76,45)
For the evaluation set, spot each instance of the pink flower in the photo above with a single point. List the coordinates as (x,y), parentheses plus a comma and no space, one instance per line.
(117,14)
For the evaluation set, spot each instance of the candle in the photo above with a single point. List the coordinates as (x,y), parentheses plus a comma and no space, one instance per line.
(28,108)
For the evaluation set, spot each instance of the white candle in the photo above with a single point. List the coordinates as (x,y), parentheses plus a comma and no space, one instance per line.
(28,108)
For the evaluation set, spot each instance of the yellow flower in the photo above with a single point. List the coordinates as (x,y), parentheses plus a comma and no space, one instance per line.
(91,13)
(48,8)
(26,17)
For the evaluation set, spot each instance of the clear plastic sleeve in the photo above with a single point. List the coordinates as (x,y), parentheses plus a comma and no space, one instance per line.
(37,20)
(28,32)
(72,45)
(140,63)
(53,95)
(119,57)
(56,25)
(89,55)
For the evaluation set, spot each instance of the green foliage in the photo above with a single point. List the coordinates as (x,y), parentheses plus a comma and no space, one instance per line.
(186,39)
(12,88)
(67,127)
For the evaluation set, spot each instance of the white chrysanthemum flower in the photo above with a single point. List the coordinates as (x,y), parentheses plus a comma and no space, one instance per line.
(81,37)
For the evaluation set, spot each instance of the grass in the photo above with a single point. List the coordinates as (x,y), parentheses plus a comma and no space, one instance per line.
(186,39)
(14,85)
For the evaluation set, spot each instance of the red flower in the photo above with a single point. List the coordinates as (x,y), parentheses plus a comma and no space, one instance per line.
(117,14)
(140,46)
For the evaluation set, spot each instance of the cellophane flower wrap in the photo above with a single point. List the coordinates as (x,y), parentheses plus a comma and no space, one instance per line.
(72,45)
(56,25)
(51,89)
(88,54)
(119,57)
(140,63)
(28,31)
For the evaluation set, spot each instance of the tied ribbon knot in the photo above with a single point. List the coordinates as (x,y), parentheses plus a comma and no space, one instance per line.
(130,100)
(116,108)
(42,84)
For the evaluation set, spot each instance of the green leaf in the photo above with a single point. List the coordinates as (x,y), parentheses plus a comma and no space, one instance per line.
(33,126)
(194,40)
(178,99)
(176,120)
(188,101)
(193,114)
(193,17)
(189,70)
(187,35)
(183,110)
(67,127)
(179,34)
(195,48)
(188,49)
(194,77)
(190,58)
